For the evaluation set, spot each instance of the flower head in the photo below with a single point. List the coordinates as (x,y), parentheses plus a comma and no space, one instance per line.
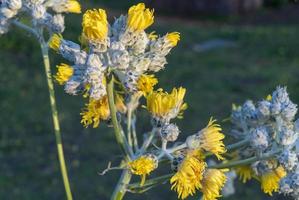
(143,166)
(139,18)
(209,139)
(270,180)
(64,72)
(173,38)
(71,6)
(212,183)
(95,25)
(164,105)
(189,175)
(245,173)
(97,110)
(55,42)
(146,83)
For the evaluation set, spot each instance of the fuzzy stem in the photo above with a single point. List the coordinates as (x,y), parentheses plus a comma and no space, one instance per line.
(151,182)
(244,161)
(133,128)
(129,121)
(44,48)
(147,142)
(121,188)
(117,130)
(237,144)
(26,28)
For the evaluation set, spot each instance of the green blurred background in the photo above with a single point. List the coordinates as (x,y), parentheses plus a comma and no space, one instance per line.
(222,58)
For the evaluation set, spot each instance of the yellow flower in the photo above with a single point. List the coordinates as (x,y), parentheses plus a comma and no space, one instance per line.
(146,83)
(211,139)
(139,18)
(269,97)
(164,105)
(97,110)
(55,41)
(152,35)
(270,180)
(72,6)
(212,183)
(143,166)
(64,72)
(95,25)
(173,38)
(245,173)
(189,175)
(235,107)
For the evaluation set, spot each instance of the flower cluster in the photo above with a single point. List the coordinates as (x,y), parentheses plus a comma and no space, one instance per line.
(39,11)
(113,67)
(8,10)
(270,129)
(123,48)
(126,52)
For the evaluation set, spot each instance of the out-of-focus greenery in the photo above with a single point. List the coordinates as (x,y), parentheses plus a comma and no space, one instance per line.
(265,56)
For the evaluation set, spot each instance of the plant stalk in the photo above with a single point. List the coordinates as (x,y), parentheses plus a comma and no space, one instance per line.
(121,187)
(63,169)
(119,135)
(244,161)
(129,121)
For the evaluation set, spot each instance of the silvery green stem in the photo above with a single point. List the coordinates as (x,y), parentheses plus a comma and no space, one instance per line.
(63,169)
(129,121)
(135,140)
(245,161)
(237,144)
(119,135)
(26,28)
(125,178)
(147,142)
(176,148)
(55,118)
(121,187)
(151,182)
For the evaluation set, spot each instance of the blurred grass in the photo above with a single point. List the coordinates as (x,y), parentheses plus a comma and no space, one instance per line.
(265,56)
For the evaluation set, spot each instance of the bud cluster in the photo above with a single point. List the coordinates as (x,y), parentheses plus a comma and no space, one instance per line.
(48,14)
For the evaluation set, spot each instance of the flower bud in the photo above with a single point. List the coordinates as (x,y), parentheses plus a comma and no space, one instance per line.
(263,110)
(57,24)
(259,138)
(170,132)
(288,159)
(287,136)
(14,4)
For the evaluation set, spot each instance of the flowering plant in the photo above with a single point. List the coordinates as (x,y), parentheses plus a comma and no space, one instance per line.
(113,68)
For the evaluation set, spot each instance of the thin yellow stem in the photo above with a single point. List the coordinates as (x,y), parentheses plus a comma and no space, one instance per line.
(55,118)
